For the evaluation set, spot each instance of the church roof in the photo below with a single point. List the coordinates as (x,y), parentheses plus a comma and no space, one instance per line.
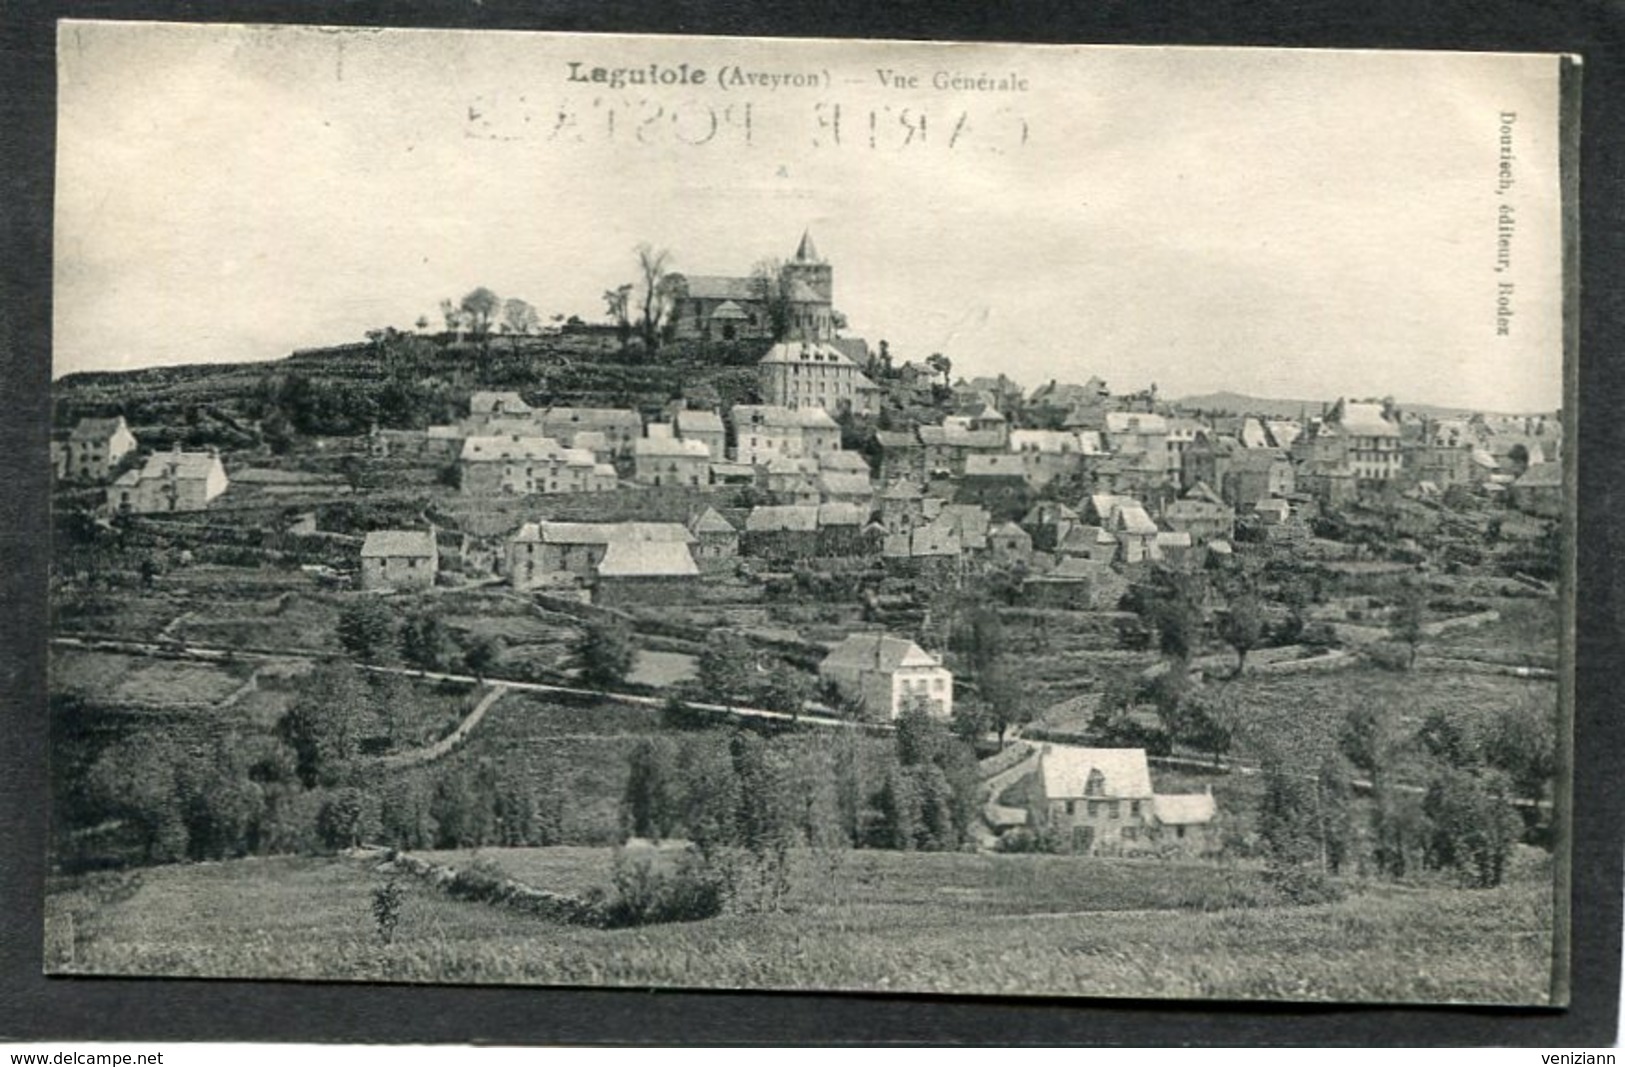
(806,251)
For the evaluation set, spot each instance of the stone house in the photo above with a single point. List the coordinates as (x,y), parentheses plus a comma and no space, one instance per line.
(1539,491)
(884,675)
(705,427)
(169,481)
(781,532)
(813,374)
(547,553)
(765,431)
(716,542)
(95,446)
(671,461)
(399,559)
(645,572)
(1009,545)
(1096,800)
(520,465)
(621,428)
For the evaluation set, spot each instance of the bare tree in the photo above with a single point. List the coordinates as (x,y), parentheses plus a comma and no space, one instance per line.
(654,266)
(519,317)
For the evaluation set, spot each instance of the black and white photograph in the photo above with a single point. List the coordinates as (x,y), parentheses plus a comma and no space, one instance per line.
(679,512)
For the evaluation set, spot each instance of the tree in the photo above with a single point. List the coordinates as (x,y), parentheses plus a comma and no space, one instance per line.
(653,267)
(134,780)
(348,819)
(426,643)
(786,689)
(455,317)
(618,306)
(1242,626)
(709,792)
(769,285)
(1473,825)
(651,805)
(1406,622)
(366,629)
(481,654)
(604,654)
(1334,801)
(327,721)
(1521,741)
(480,308)
(941,364)
(519,317)
(727,667)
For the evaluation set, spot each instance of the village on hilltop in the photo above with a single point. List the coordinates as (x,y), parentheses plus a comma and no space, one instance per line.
(1123,625)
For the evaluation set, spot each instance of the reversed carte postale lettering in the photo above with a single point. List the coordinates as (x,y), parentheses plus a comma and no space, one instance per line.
(933,517)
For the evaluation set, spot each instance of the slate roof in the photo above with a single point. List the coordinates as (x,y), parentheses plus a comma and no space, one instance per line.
(842,514)
(844,461)
(1065,771)
(897,439)
(775,415)
(779,518)
(1118,422)
(395,544)
(997,465)
(602,533)
(487,403)
(646,559)
(1361,419)
(878,652)
(807,352)
(1184,809)
(674,447)
(845,483)
(93,429)
(483,448)
(698,422)
(187,466)
(710,521)
(1131,518)
(1541,476)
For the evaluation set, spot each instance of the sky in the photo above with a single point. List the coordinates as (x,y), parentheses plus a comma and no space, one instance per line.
(1283,223)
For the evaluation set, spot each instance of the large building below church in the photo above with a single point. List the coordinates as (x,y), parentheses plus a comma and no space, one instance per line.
(798,305)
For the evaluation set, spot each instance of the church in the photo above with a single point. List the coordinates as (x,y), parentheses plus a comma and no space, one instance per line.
(798,305)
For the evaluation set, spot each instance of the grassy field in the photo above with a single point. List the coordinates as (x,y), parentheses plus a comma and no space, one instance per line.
(875,921)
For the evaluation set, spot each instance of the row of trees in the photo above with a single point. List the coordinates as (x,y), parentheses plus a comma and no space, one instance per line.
(766,796)
(1483,791)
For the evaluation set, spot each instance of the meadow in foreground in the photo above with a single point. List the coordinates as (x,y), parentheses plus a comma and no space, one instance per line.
(864,921)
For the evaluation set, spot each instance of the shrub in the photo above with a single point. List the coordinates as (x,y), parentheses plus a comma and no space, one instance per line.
(1297,884)
(695,889)
(386,910)
(1388,656)
(1022,840)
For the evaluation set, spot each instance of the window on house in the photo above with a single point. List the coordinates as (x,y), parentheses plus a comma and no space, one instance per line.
(1179,831)
(1130,833)
(1112,811)
(1094,809)
(1071,807)
(1134,809)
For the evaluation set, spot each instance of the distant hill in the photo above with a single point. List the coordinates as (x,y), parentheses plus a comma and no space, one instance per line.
(1241,404)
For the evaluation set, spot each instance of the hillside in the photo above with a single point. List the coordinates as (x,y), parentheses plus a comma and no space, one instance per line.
(1233,403)
(914,922)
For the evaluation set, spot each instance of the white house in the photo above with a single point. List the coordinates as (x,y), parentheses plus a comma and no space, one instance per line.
(884,674)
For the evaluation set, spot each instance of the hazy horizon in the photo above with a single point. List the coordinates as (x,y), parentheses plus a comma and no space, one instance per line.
(1284,224)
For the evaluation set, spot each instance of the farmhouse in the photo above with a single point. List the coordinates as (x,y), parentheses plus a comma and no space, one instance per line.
(619,427)
(516,464)
(706,428)
(883,675)
(1009,544)
(399,559)
(781,531)
(764,431)
(1095,799)
(1185,822)
(1075,584)
(716,542)
(670,461)
(95,446)
(791,481)
(644,572)
(1539,491)
(170,481)
(550,552)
